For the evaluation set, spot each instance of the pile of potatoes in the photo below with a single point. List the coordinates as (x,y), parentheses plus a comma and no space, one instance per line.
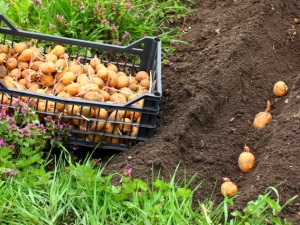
(25,67)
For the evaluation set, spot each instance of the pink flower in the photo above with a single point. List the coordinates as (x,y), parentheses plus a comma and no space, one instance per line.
(104,22)
(127,172)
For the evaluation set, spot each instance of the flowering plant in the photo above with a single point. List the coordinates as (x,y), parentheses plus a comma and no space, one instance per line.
(23,137)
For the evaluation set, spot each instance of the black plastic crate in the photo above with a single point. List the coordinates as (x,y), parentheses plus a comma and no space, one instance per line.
(142,55)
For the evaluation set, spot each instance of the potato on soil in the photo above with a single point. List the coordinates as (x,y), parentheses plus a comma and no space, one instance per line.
(117,98)
(228,188)
(263,118)
(280,89)
(93,96)
(246,160)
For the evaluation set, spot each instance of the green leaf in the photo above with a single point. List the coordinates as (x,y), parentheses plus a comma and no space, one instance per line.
(183,192)
(25,150)
(273,204)
(161,185)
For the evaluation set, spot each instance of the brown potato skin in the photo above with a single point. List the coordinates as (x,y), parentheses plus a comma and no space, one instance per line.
(262,119)
(228,188)
(246,161)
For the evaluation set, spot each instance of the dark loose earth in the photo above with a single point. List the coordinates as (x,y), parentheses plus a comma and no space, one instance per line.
(212,93)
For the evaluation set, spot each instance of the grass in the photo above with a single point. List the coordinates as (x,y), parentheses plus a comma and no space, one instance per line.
(114,22)
(79,193)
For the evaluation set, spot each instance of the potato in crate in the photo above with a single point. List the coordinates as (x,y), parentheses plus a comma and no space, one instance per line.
(108,94)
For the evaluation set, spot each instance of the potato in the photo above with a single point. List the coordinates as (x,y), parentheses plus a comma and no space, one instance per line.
(11,63)
(36,65)
(47,80)
(125,127)
(47,67)
(228,188)
(58,50)
(246,160)
(145,83)
(26,55)
(101,113)
(75,68)
(72,89)
(94,62)
(112,80)
(142,75)
(19,47)
(88,69)
(51,57)
(263,118)
(4,49)
(123,81)
(68,78)
(93,96)
(112,67)
(3,57)
(103,74)
(15,73)
(117,98)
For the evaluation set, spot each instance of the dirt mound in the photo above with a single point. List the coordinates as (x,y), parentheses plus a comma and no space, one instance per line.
(212,93)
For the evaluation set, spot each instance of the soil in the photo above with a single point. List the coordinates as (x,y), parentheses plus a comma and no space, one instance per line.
(212,93)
